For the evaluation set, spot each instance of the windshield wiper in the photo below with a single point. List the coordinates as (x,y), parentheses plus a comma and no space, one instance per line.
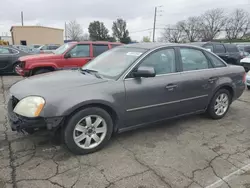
(90,71)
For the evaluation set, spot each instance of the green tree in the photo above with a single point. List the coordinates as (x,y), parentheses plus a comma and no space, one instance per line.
(120,31)
(146,39)
(98,31)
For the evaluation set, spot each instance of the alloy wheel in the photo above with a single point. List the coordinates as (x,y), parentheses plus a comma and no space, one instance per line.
(221,104)
(90,131)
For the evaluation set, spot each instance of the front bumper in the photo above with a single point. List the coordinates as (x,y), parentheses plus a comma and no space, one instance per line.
(21,71)
(19,123)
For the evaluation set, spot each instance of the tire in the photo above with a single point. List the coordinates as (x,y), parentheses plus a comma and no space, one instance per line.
(14,68)
(79,121)
(248,87)
(41,71)
(212,112)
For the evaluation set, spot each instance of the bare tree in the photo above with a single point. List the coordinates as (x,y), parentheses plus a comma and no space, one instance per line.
(191,27)
(237,24)
(174,34)
(84,37)
(211,24)
(74,30)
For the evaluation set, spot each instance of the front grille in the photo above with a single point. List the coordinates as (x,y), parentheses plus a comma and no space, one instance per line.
(14,102)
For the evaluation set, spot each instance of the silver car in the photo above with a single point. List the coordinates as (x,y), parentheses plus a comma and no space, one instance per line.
(125,88)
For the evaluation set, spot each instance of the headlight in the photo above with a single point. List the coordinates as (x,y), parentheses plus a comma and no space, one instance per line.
(30,106)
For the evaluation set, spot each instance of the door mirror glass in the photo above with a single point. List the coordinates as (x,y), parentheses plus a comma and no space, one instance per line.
(144,72)
(67,55)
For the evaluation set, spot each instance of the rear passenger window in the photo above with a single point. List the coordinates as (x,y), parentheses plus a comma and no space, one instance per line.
(99,49)
(208,47)
(193,59)
(215,60)
(219,48)
(232,48)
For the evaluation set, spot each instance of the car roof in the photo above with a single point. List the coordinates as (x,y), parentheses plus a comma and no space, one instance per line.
(93,42)
(153,45)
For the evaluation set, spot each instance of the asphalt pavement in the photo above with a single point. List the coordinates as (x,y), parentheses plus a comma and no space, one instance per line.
(191,152)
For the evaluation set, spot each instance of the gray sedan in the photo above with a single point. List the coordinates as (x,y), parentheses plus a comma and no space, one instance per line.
(125,88)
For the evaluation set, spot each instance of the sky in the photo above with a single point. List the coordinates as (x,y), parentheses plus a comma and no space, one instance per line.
(139,14)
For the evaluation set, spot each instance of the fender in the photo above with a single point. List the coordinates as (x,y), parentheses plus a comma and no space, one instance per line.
(93,102)
(41,64)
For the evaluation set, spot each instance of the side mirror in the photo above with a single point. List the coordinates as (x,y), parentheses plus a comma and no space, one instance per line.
(144,72)
(67,55)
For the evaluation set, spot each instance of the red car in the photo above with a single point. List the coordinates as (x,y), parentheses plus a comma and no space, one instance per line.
(69,56)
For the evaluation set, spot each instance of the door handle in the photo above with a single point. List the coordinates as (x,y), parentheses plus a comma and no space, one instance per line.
(211,80)
(170,87)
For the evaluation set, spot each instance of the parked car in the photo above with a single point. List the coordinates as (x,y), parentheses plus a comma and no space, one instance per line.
(9,59)
(125,88)
(26,49)
(35,45)
(248,80)
(228,52)
(245,48)
(48,48)
(71,55)
(245,62)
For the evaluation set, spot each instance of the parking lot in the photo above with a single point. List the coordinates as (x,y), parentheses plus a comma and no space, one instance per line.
(190,152)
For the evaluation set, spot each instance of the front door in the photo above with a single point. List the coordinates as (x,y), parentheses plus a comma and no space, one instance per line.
(79,56)
(152,99)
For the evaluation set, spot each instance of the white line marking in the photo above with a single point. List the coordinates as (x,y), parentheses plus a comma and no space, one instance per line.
(229,177)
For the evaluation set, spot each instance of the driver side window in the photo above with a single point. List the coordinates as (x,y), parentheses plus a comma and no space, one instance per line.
(80,50)
(163,61)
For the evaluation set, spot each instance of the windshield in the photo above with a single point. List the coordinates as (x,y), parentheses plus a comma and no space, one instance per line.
(113,63)
(62,49)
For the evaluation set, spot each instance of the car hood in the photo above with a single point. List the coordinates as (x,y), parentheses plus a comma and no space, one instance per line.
(39,57)
(54,82)
(245,60)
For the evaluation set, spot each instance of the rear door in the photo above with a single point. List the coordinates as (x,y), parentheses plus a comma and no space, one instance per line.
(79,56)
(198,80)
(220,50)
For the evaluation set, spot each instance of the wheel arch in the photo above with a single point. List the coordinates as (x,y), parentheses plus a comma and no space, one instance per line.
(108,108)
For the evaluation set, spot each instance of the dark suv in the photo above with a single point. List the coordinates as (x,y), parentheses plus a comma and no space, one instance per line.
(228,52)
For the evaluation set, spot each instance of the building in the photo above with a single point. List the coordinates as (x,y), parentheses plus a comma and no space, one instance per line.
(27,35)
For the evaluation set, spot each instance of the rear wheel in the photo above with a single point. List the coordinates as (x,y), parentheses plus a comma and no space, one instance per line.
(88,130)
(41,71)
(219,104)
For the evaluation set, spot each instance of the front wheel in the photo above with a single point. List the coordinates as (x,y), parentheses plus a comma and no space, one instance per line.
(219,104)
(88,130)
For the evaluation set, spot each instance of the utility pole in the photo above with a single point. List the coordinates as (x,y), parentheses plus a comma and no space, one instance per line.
(154,24)
(155,15)
(65,28)
(22,17)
